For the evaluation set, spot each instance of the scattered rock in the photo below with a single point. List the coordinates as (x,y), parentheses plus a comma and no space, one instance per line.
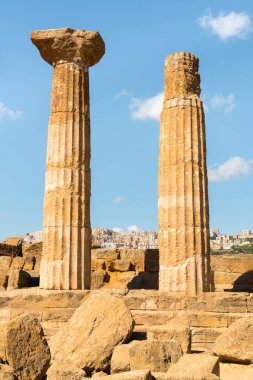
(19,279)
(98,375)
(33,250)
(132,375)
(29,263)
(17,263)
(5,263)
(88,339)
(152,355)
(236,343)
(7,373)
(65,371)
(23,346)
(177,328)
(119,265)
(97,279)
(230,371)
(195,365)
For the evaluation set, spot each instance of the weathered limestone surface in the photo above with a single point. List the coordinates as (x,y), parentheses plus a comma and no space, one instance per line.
(183,212)
(233,272)
(65,371)
(177,328)
(153,355)
(190,365)
(23,346)
(66,227)
(236,343)
(102,322)
(131,375)
(7,373)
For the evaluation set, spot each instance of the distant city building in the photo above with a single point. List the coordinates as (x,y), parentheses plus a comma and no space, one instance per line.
(246,232)
(33,237)
(149,239)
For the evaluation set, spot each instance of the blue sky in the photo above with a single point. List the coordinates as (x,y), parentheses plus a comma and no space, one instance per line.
(126,91)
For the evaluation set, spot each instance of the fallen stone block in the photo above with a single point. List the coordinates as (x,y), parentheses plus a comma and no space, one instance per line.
(97,279)
(17,263)
(24,347)
(18,279)
(209,376)
(236,343)
(29,263)
(131,375)
(98,375)
(7,373)
(64,371)
(152,355)
(195,365)
(119,265)
(177,328)
(5,263)
(88,339)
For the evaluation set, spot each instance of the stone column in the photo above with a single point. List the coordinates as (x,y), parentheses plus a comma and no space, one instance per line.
(183,212)
(66,261)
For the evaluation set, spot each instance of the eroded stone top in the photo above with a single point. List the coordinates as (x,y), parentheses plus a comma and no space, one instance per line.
(82,47)
(181,75)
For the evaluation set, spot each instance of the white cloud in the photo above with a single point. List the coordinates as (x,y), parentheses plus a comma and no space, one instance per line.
(147,109)
(226,26)
(117,229)
(11,114)
(118,199)
(123,92)
(220,101)
(234,167)
(133,228)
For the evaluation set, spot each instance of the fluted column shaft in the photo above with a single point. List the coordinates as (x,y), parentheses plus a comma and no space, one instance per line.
(66,226)
(66,256)
(183,195)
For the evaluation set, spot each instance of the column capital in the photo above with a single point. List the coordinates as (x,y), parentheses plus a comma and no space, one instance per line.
(83,47)
(181,75)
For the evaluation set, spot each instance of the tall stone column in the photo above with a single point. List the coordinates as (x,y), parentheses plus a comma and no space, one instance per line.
(183,211)
(66,261)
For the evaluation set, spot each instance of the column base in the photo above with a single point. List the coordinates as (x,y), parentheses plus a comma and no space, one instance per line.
(187,277)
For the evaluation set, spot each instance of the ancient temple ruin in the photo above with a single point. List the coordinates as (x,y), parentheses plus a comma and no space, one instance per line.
(183,194)
(66,258)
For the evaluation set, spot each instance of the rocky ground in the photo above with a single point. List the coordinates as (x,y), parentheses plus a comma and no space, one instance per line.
(98,341)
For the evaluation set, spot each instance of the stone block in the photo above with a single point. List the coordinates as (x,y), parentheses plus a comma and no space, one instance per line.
(177,328)
(18,279)
(97,279)
(88,339)
(23,346)
(195,364)
(119,265)
(236,343)
(29,263)
(153,355)
(5,264)
(64,371)
(132,375)
(7,373)
(202,339)
(34,249)
(105,253)
(224,302)
(17,263)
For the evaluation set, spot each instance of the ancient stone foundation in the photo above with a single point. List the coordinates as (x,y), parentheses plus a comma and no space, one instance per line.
(183,199)
(66,262)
